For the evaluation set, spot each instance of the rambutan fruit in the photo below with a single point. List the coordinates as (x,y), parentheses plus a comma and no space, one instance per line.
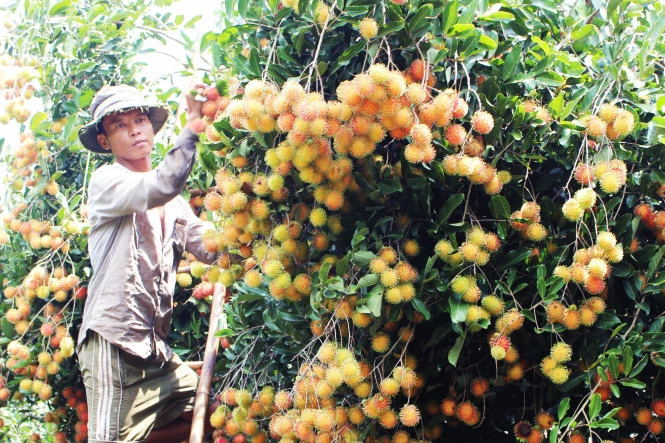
(586,197)
(624,122)
(421,134)
(388,419)
(500,340)
(587,316)
(595,126)
(410,247)
(416,94)
(572,210)
(393,295)
(368,28)
(479,386)
(536,232)
(468,413)
(389,387)
(443,248)
(611,181)
(584,174)
(381,342)
(658,407)
(417,69)
(492,304)
(318,217)
(576,437)
(472,295)
(594,285)
(455,134)
(482,122)
(545,420)
(571,319)
(522,430)
(559,374)
(389,278)
(409,415)
(448,407)
(655,427)
(561,352)
(644,416)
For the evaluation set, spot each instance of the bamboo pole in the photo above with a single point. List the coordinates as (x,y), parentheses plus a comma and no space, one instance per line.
(208,367)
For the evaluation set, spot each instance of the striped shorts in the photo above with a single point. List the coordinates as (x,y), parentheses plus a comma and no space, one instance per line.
(128,396)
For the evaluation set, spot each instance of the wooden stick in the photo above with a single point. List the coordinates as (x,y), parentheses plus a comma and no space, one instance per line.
(209,359)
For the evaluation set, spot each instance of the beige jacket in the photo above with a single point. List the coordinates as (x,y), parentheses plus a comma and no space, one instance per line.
(130,295)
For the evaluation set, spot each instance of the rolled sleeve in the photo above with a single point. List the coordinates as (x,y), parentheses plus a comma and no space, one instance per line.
(195,229)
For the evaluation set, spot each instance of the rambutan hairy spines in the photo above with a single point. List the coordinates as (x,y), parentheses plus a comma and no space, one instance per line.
(482,122)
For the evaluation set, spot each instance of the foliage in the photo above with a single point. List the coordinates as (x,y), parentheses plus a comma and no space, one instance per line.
(564,85)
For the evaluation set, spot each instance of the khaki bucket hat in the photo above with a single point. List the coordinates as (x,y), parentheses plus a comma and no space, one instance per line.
(111,99)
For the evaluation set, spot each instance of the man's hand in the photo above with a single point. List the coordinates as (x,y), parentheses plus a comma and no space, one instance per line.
(193,102)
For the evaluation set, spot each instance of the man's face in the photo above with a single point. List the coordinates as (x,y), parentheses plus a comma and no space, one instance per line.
(129,135)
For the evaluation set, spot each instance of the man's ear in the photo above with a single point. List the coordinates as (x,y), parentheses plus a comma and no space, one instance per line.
(103,141)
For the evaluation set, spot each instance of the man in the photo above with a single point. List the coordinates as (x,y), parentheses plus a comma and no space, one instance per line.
(137,389)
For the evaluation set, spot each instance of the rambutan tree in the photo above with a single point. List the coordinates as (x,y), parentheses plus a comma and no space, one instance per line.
(438,220)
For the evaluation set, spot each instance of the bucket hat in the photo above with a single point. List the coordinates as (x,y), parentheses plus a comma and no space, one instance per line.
(111,99)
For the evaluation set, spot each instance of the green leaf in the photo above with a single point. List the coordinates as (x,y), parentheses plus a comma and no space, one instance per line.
(510,65)
(551,78)
(368,280)
(449,15)
(420,306)
(564,405)
(343,266)
(448,207)
(633,383)
(594,406)
(372,303)
(627,359)
(60,8)
(499,207)
(583,32)
(362,258)
(499,16)
(655,261)
(453,354)
(387,187)
(420,18)
(614,366)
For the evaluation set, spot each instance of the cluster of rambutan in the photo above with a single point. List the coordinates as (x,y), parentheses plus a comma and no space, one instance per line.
(553,366)
(73,400)
(479,245)
(526,220)
(540,111)
(477,171)
(501,347)
(573,316)
(40,234)
(477,248)
(464,411)
(395,275)
(652,417)
(611,122)
(240,416)
(591,266)
(652,220)
(15,77)
(611,176)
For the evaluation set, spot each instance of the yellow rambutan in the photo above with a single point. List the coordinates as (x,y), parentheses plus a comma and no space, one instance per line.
(381,342)
(409,415)
(561,352)
(536,232)
(595,126)
(586,197)
(572,210)
(443,248)
(559,374)
(587,316)
(571,319)
(611,181)
(584,174)
(389,387)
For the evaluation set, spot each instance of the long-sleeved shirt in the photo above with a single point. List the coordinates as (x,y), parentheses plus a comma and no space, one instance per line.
(130,294)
